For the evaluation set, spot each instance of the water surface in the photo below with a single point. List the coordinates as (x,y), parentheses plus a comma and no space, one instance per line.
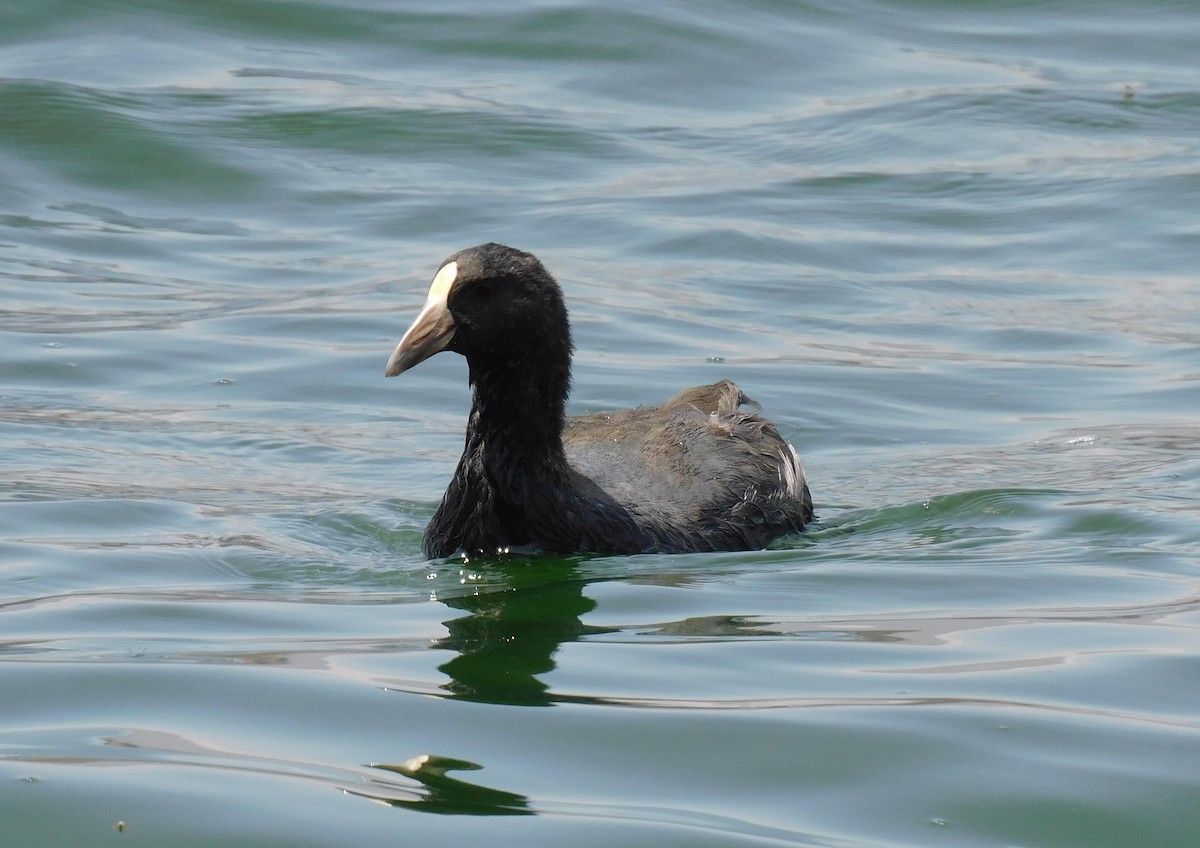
(950,248)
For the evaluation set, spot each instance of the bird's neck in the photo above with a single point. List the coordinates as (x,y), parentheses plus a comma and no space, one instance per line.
(517,411)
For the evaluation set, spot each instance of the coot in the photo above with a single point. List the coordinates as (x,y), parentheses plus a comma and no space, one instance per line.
(697,473)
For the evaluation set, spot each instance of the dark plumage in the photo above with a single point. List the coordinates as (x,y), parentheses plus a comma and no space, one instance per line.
(695,474)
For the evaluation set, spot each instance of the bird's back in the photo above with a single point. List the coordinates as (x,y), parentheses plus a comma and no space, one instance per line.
(698,472)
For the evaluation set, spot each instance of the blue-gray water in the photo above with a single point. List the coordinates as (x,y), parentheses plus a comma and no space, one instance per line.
(951,248)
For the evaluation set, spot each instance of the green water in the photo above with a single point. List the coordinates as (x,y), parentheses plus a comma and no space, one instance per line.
(950,248)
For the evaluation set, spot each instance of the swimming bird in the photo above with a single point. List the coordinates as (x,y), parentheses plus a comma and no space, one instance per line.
(697,473)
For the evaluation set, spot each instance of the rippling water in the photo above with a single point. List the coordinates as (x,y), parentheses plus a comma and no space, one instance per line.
(951,249)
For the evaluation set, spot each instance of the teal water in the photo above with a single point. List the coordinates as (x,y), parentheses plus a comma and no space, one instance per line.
(951,248)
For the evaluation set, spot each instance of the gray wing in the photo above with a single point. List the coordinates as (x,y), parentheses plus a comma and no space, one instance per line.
(697,472)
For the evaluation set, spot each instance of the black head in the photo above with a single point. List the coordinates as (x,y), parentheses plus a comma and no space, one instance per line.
(493,304)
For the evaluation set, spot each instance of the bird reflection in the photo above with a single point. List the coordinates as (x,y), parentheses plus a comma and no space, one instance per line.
(509,637)
(440,793)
